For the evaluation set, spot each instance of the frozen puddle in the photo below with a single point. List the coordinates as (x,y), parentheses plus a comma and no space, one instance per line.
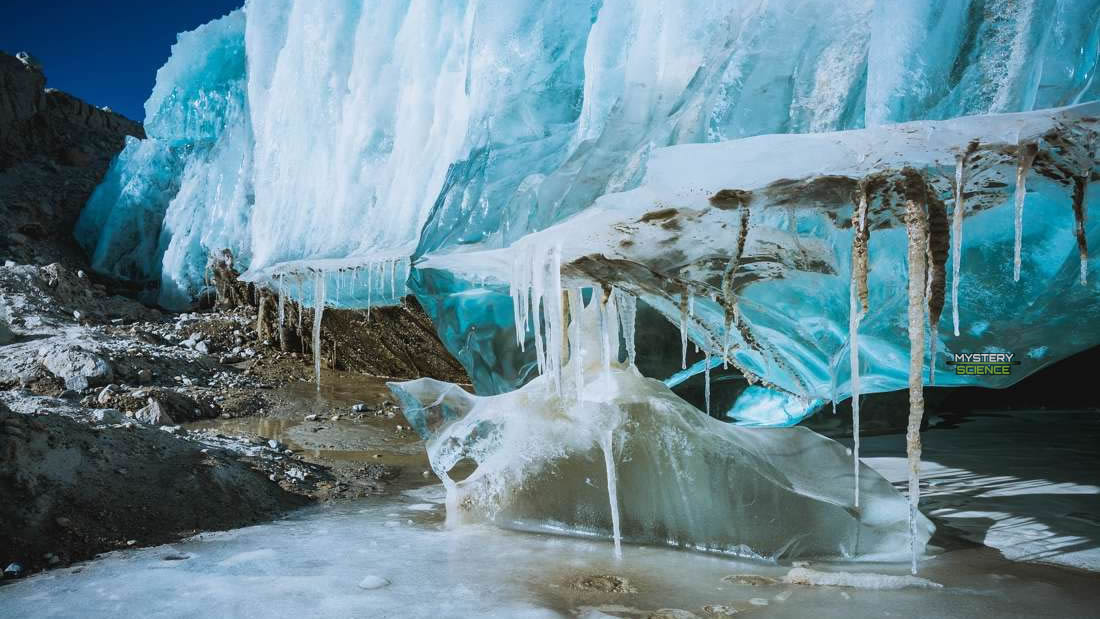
(392,557)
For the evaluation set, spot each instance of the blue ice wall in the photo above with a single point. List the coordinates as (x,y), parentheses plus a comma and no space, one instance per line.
(343,136)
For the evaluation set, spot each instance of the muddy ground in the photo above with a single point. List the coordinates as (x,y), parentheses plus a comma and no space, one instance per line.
(123,425)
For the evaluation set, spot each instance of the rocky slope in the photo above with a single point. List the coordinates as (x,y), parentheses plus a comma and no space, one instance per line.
(54,150)
(96,388)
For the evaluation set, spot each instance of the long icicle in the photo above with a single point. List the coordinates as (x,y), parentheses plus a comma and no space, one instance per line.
(607,444)
(684,329)
(282,300)
(917,225)
(1026,158)
(706,381)
(957,230)
(318,310)
(858,305)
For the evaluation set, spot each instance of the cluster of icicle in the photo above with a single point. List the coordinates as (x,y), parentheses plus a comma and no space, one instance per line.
(553,315)
(381,277)
(927,233)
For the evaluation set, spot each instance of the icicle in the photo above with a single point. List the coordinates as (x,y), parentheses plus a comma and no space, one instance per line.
(339,276)
(857,305)
(706,381)
(1027,157)
(1080,185)
(318,310)
(683,330)
(301,300)
(605,336)
(282,300)
(538,272)
(576,353)
(957,230)
(607,444)
(727,277)
(691,305)
(393,279)
(917,224)
(555,318)
(370,285)
(628,311)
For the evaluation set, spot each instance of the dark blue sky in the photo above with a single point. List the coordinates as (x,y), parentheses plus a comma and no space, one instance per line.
(106,52)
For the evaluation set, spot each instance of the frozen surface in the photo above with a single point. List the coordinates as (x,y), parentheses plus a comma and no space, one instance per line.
(313,563)
(1034,504)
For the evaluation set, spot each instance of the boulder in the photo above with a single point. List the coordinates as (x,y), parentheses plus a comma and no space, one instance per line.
(73,362)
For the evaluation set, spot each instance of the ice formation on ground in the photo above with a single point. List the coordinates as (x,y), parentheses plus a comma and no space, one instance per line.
(593,448)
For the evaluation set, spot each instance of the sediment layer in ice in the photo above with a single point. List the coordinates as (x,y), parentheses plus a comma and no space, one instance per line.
(782,312)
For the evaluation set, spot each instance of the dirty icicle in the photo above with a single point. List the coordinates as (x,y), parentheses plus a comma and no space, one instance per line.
(1080,184)
(731,270)
(858,305)
(916,222)
(1027,157)
(935,270)
(318,309)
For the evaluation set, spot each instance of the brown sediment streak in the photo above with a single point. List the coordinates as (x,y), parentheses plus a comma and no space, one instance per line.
(729,196)
(861,236)
(1080,183)
(916,221)
(939,237)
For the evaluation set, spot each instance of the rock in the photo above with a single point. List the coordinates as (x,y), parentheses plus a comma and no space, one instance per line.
(145,376)
(203,348)
(154,413)
(6,336)
(359,408)
(63,522)
(15,570)
(311,417)
(67,362)
(69,394)
(373,582)
(106,394)
(107,415)
(276,445)
(77,383)
(334,418)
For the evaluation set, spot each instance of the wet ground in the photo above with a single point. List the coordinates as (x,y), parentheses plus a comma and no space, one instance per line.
(393,556)
(351,422)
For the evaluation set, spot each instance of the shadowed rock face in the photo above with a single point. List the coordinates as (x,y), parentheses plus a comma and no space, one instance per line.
(54,150)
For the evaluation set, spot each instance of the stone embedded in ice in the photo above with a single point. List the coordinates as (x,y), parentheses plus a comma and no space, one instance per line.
(373,582)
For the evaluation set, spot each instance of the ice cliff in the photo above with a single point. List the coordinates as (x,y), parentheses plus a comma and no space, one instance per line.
(817,194)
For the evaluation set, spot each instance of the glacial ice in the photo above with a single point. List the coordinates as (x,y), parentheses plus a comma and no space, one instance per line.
(511,165)
(619,456)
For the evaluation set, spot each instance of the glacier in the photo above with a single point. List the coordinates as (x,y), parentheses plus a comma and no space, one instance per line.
(745,173)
